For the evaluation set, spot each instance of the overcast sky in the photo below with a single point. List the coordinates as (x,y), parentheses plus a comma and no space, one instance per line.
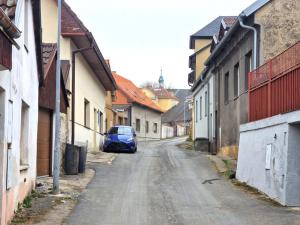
(139,37)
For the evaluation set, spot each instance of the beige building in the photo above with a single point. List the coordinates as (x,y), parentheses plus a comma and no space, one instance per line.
(93,77)
(137,110)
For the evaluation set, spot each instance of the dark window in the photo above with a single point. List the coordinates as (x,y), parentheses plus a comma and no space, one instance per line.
(120,120)
(101,122)
(138,125)
(200,108)
(86,113)
(196,111)
(248,68)
(236,80)
(155,128)
(226,88)
(126,121)
(147,126)
(206,103)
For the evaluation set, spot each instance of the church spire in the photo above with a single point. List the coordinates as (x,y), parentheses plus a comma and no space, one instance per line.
(161,80)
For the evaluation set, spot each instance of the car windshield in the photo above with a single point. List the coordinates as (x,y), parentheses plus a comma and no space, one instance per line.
(121,130)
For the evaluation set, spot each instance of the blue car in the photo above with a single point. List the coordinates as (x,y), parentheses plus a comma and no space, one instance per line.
(120,139)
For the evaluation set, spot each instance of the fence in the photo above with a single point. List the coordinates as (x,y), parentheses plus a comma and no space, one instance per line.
(274,88)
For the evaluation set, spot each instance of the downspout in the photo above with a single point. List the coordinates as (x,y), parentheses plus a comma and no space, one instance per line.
(255,39)
(73,87)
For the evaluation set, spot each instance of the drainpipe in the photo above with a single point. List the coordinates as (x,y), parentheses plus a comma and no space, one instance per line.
(255,39)
(73,87)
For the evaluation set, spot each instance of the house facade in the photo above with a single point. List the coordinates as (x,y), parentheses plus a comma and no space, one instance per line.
(139,111)
(203,85)
(20,73)
(176,122)
(90,78)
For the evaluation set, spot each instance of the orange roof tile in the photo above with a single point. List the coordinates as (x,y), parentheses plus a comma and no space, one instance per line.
(127,92)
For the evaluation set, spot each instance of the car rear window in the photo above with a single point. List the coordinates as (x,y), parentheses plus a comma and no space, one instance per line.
(121,130)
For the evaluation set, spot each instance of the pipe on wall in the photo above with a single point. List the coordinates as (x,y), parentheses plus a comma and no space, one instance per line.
(255,39)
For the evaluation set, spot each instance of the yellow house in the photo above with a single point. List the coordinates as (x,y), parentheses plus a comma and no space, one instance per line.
(91,78)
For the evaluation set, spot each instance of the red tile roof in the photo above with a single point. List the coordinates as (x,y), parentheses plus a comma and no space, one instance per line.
(128,93)
(163,93)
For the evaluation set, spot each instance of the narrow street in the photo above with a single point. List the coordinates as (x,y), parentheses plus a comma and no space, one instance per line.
(164,185)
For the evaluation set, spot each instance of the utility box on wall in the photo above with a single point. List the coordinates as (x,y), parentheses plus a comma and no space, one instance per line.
(271,162)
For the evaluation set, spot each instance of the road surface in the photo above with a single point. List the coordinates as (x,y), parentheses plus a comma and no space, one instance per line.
(164,185)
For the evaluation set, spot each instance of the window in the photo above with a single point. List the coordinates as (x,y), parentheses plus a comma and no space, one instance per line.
(200,109)
(248,68)
(86,113)
(226,88)
(196,111)
(126,121)
(147,126)
(106,125)
(206,103)
(236,80)
(155,128)
(138,125)
(100,122)
(24,134)
(120,120)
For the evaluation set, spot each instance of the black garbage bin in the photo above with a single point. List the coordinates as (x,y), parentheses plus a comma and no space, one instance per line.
(82,159)
(71,159)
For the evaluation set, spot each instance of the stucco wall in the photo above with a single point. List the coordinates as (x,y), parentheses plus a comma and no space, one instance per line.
(280,27)
(19,84)
(144,114)
(202,56)
(281,180)
(166,104)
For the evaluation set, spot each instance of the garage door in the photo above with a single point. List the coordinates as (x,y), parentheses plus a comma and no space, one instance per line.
(44,152)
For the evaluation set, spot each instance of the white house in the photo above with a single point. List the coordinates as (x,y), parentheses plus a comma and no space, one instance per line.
(20,68)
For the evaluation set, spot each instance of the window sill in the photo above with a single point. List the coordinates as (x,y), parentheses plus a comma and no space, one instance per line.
(24,167)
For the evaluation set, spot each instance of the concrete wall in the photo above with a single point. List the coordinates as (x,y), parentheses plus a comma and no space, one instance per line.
(279,31)
(146,114)
(17,86)
(281,179)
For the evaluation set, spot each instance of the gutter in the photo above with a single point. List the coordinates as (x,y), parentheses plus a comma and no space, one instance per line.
(73,87)
(240,18)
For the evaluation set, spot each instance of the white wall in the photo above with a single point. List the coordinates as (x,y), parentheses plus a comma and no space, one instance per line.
(280,181)
(146,114)
(19,84)
(167,131)
(202,127)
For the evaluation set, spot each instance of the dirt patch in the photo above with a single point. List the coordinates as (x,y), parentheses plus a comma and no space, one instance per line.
(43,208)
(187,145)
(255,192)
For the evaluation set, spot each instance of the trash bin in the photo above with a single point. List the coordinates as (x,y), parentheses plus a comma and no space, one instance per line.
(71,159)
(82,159)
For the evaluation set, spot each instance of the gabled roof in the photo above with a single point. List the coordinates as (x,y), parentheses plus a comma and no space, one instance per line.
(207,32)
(73,28)
(128,93)
(245,13)
(162,93)
(177,114)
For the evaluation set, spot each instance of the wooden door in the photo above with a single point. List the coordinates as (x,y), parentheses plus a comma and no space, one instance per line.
(44,145)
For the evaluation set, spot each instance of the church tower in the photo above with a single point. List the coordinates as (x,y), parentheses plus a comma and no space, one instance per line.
(161,80)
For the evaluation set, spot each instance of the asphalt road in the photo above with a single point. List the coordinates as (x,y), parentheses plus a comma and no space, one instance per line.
(164,185)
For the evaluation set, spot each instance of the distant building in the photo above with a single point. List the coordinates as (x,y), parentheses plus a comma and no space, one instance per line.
(177,121)
(137,110)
